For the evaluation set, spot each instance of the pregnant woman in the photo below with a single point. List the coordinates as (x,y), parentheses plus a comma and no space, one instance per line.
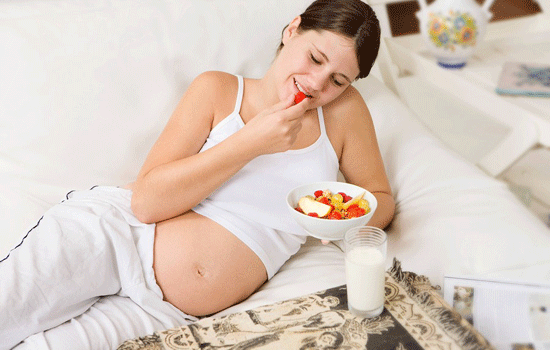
(205,224)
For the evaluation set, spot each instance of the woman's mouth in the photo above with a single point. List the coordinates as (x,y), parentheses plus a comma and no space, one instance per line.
(300,88)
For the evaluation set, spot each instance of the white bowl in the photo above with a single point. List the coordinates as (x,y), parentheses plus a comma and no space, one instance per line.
(326,229)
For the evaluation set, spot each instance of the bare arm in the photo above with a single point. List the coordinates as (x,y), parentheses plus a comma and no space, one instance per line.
(175,176)
(361,162)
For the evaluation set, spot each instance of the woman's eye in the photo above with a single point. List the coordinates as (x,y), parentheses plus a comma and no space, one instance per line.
(316,61)
(337,82)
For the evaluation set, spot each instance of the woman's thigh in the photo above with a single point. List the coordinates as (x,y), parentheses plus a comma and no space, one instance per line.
(201,267)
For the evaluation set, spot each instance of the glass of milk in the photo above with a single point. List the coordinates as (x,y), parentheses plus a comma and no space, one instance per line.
(365,255)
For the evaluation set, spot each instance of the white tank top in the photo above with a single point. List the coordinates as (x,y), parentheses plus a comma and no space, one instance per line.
(252,204)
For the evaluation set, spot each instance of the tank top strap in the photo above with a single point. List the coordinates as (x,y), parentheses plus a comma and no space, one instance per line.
(321,121)
(240,94)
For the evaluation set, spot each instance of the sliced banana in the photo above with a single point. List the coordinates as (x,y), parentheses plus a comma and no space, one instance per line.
(353,201)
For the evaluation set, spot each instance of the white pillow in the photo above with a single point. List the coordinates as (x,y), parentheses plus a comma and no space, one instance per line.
(451,218)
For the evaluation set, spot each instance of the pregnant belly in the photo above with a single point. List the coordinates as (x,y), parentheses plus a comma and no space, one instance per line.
(201,267)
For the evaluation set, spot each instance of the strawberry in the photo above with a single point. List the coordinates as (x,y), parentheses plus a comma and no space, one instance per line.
(354,211)
(353,206)
(313,215)
(318,193)
(345,196)
(334,215)
(299,97)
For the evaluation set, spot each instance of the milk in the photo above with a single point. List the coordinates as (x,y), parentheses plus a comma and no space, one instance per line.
(365,280)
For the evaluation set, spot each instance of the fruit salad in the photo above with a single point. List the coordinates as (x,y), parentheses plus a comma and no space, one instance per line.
(339,206)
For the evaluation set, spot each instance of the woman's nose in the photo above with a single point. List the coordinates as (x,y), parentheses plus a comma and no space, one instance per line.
(319,80)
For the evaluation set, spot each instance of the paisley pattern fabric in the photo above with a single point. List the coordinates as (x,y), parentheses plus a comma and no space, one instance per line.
(415,317)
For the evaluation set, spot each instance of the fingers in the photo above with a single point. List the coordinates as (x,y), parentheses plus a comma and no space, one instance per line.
(290,110)
(279,106)
(296,111)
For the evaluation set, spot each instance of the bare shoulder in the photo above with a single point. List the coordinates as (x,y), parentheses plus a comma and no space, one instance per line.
(345,116)
(217,90)
(350,106)
(215,78)
(214,82)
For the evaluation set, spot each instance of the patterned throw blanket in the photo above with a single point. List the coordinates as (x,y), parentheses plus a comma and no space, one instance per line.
(415,317)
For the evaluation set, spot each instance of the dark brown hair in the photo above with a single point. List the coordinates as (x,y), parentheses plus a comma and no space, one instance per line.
(351,18)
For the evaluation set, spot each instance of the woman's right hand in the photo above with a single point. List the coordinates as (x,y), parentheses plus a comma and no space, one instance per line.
(275,129)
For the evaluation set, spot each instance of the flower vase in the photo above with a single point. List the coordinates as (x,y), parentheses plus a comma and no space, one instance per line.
(453,28)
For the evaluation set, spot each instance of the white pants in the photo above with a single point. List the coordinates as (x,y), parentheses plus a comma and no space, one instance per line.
(82,250)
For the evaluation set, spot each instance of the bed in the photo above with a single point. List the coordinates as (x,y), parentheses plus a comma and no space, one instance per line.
(87,86)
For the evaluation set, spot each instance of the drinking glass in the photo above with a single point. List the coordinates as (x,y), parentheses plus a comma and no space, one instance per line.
(365,257)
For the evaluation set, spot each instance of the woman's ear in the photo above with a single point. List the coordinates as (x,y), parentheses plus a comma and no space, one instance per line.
(291,29)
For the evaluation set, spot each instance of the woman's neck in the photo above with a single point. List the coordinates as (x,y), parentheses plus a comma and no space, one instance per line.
(260,94)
